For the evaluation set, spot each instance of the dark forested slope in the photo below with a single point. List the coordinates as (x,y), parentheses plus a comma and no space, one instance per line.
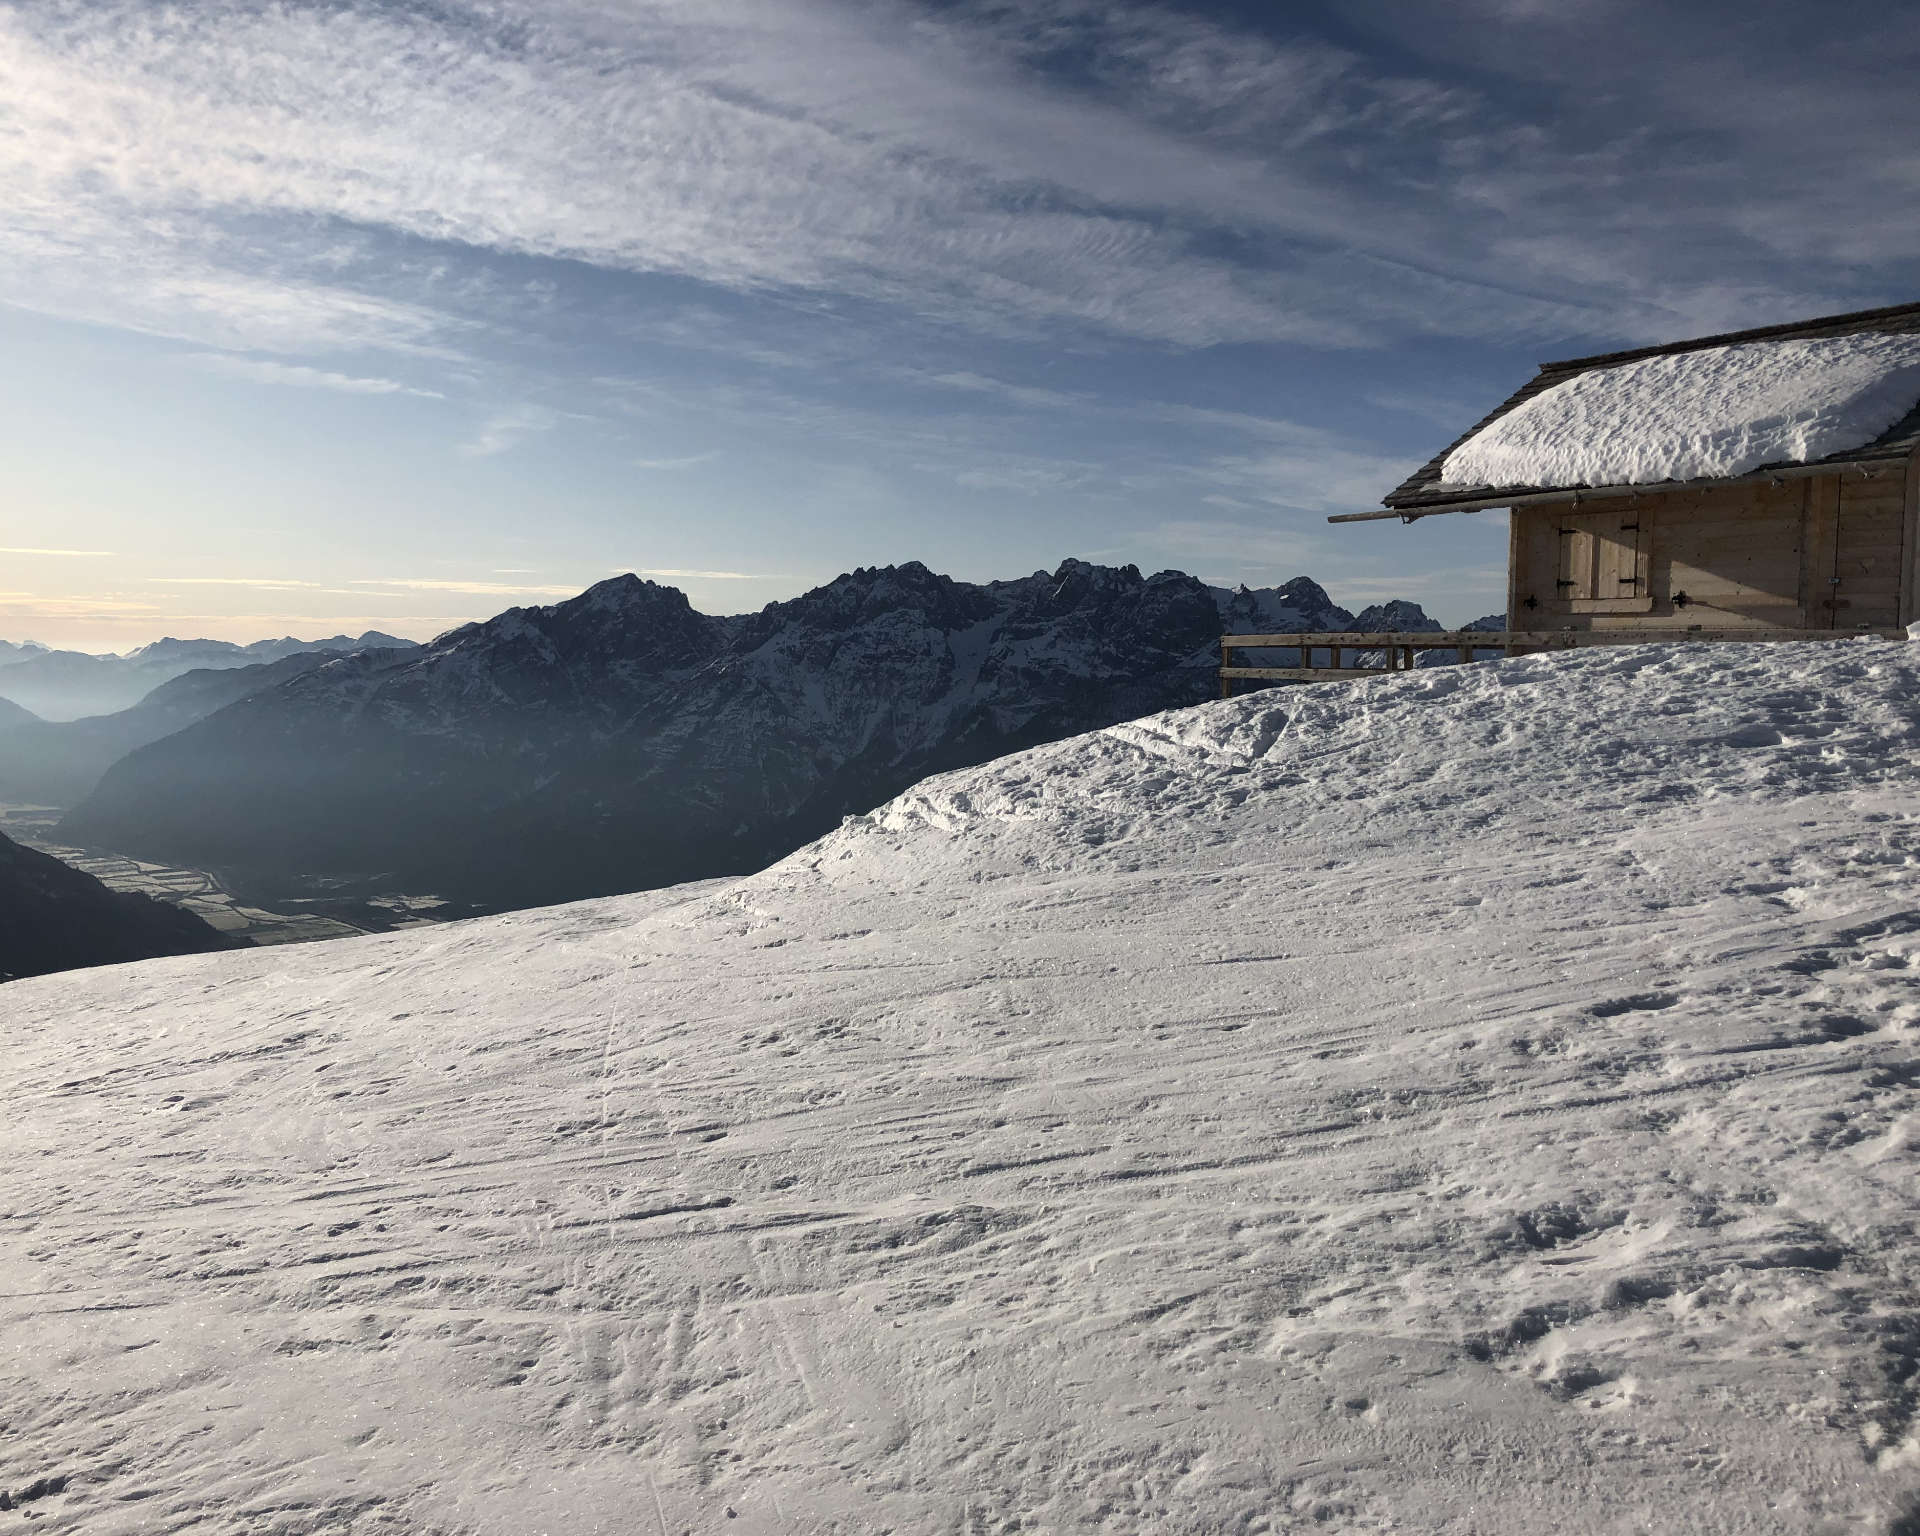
(54,918)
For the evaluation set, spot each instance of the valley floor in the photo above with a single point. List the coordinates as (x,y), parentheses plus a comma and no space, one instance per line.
(284,921)
(1482,1101)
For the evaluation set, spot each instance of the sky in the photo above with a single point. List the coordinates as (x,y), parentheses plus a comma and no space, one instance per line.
(331,316)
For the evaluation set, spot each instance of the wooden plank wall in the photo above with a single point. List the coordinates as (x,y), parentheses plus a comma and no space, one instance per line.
(1820,530)
(1869,551)
(1819,552)
(1733,553)
(1910,568)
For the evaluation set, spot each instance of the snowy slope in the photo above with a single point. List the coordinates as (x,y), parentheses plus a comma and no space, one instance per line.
(1709,413)
(1478,1101)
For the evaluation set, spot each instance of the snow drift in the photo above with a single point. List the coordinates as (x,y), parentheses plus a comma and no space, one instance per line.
(1709,413)
(1481,1100)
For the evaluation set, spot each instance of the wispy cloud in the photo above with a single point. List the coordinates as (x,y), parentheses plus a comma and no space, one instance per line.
(672,573)
(1030,478)
(298,376)
(748,144)
(284,583)
(72,554)
(1018,394)
(32,605)
(507,429)
(1251,548)
(687,463)
(1185,180)
(474,588)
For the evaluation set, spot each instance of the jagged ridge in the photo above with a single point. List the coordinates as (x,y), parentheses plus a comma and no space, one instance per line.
(621,739)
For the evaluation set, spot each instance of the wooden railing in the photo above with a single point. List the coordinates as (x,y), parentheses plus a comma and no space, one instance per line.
(1395,650)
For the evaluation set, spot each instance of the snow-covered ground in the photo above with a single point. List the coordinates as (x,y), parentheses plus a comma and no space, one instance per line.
(1479,1100)
(1714,412)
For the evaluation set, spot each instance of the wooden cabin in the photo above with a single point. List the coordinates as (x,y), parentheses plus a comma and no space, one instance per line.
(1757,485)
(1821,544)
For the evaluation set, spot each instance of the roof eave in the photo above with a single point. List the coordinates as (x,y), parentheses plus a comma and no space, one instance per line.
(1481,500)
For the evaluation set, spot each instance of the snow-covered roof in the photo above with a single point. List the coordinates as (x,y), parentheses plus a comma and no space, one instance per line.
(1698,415)
(1828,390)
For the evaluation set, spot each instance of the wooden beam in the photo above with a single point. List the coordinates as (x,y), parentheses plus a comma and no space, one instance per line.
(1515,526)
(1303,674)
(1867,467)
(1321,639)
(1494,639)
(1819,554)
(1910,545)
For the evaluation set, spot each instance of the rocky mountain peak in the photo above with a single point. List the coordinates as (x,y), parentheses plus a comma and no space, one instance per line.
(1297,605)
(614,627)
(897,596)
(1399,616)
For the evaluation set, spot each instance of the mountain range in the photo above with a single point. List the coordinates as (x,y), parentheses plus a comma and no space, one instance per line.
(67,685)
(621,740)
(57,763)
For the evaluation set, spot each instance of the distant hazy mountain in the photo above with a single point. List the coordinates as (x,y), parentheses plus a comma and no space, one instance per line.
(13,716)
(19,650)
(68,685)
(622,740)
(170,652)
(57,763)
(286,645)
(54,918)
(1302,606)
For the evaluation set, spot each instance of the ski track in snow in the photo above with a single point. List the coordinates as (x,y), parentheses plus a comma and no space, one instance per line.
(1480,1100)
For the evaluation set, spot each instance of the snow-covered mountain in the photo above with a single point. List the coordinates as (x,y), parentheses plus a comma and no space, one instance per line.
(286,645)
(191,654)
(621,740)
(1302,605)
(53,918)
(57,763)
(186,654)
(1482,1100)
(69,685)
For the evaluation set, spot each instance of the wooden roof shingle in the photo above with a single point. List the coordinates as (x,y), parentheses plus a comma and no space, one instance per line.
(1423,489)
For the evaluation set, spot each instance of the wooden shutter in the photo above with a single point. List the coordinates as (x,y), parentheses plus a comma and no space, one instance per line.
(1574,581)
(1604,564)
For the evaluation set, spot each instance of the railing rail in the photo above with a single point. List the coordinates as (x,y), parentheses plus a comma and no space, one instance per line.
(1396,649)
